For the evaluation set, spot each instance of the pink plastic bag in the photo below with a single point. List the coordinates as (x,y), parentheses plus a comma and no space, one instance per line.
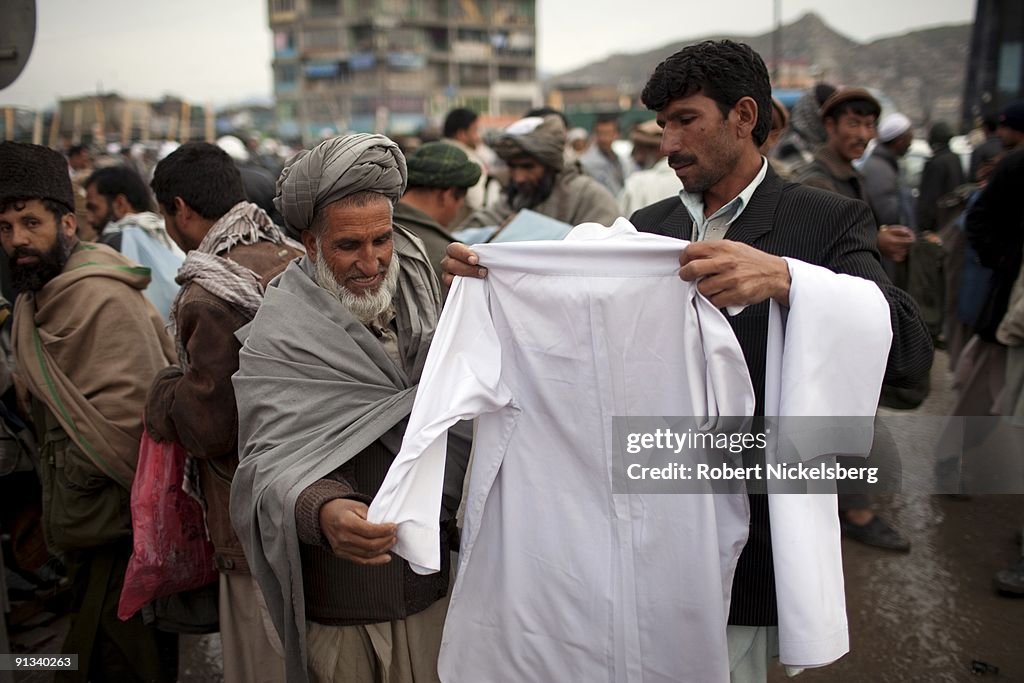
(171,552)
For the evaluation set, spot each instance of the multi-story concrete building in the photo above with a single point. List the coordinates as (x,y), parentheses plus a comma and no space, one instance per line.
(396,65)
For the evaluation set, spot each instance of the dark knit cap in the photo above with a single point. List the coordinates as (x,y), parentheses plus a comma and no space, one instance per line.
(34,172)
(438,164)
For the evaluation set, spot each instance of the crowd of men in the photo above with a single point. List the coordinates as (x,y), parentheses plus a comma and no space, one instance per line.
(279,338)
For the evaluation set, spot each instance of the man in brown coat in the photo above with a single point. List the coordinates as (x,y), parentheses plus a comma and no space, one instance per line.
(233,252)
(86,346)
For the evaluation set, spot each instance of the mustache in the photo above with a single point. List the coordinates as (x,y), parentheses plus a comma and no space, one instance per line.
(676,160)
(355,272)
(25,251)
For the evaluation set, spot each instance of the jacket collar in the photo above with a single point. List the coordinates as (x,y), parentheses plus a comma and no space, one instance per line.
(758,217)
(756,220)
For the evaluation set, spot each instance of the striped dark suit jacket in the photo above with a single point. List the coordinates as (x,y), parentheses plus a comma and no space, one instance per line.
(827,230)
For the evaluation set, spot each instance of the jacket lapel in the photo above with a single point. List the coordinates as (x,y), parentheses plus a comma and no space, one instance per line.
(759,216)
(677,223)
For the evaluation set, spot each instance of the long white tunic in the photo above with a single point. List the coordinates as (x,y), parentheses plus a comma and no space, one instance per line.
(558,578)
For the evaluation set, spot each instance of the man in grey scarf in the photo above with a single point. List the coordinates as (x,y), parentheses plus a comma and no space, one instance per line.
(327,376)
(540,180)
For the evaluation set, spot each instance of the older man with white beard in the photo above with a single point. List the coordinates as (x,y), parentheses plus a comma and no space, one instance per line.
(327,376)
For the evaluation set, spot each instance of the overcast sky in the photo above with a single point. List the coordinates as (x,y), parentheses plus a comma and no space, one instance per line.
(220,50)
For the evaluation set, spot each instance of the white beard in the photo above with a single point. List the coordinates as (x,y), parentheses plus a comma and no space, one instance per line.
(366,306)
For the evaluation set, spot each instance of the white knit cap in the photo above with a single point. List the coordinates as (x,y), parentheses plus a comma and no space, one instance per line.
(892,126)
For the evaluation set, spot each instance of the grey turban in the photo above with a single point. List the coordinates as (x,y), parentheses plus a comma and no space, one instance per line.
(545,142)
(336,169)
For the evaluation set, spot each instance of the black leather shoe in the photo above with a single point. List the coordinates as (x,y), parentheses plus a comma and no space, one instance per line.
(1010,581)
(875,533)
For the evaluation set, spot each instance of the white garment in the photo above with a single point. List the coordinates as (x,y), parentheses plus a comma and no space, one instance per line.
(558,578)
(827,359)
(643,188)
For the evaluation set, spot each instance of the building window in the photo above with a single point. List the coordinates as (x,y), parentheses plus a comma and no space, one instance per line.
(284,44)
(514,74)
(469,11)
(513,13)
(474,75)
(285,77)
(282,6)
(321,40)
(362,38)
(323,8)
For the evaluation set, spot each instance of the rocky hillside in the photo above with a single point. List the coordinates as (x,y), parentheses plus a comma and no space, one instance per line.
(922,71)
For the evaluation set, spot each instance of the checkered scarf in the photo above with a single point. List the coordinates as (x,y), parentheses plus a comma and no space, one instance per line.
(244,223)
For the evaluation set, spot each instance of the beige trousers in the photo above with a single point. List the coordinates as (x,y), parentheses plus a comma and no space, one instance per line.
(252,649)
(390,652)
(753,650)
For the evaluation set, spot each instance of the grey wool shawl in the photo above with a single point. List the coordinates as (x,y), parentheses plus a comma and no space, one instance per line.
(314,389)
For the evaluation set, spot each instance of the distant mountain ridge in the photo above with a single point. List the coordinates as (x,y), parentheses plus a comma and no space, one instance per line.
(922,71)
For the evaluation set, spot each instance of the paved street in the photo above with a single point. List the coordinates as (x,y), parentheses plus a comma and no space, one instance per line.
(924,617)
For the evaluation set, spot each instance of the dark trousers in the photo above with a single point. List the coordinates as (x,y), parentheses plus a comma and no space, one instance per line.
(109,649)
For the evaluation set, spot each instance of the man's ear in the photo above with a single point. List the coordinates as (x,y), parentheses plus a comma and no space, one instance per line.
(121,206)
(182,210)
(309,242)
(69,225)
(745,111)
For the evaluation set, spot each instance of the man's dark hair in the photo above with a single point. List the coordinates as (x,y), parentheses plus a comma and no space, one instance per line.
(547,111)
(115,180)
(458,119)
(990,123)
(203,175)
(606,118)
(57,209)
(75,150)
(723,70)
(855,107)
(940,134)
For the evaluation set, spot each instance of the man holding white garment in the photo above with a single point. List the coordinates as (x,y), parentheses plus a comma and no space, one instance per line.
(713,101)
(326,379)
